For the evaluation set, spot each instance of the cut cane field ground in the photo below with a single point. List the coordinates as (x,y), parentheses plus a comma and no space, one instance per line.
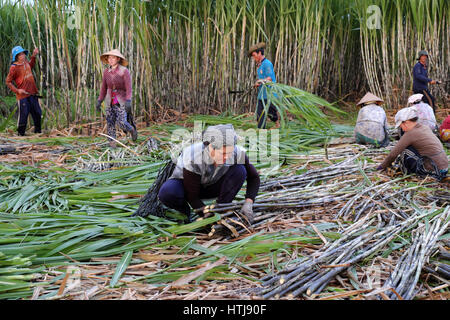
(187,55)
(66,230)
(327,225)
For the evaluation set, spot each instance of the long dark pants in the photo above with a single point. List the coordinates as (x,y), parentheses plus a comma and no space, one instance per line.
(29,105)
(427,98)
(260,112)
(172,191)
(411,161)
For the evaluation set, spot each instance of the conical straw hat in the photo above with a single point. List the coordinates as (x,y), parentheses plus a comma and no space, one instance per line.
(369,97)
(255,47)
(115,52)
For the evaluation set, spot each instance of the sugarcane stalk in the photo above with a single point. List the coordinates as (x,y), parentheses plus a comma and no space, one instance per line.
(406,274)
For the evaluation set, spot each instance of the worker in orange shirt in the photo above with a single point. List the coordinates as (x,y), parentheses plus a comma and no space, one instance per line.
(20,80)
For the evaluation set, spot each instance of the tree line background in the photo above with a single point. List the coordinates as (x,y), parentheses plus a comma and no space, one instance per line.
(186,55)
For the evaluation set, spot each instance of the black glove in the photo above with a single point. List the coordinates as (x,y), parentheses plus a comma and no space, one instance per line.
(128,106)
(99,103)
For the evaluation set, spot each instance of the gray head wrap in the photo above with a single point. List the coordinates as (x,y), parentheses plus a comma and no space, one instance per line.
(220,135)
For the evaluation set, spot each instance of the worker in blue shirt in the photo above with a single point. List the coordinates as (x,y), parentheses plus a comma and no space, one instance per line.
(265,74)
(421,80)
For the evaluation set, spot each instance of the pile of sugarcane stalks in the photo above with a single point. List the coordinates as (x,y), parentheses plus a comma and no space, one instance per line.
(108,159)
(5,149)
(313,188)
(359,241)
(408,268)
(440,268)
(348,190)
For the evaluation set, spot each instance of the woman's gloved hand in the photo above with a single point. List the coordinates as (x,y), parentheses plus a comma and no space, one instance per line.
(247,209)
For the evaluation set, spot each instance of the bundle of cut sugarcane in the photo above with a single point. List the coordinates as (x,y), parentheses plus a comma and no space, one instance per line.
(406,274)
(271,204)
(381,196)
(110,158)
(344,168)
(150,204)
(5,149)
(440,267)
(313,188)
(313,273)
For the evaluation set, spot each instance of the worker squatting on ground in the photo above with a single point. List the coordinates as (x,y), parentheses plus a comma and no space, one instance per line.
(20,80)
(419,149)
(214,168)
(371,124)
(116,93)
(265,74)
(424,111)
(421,80)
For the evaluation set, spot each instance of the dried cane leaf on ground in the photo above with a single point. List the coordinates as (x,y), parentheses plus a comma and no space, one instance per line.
(56,217)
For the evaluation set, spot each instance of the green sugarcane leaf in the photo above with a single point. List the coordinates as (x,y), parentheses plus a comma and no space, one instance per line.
(121,267)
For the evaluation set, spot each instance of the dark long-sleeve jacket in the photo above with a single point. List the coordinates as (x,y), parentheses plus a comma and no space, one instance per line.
(420,77)
(197,170)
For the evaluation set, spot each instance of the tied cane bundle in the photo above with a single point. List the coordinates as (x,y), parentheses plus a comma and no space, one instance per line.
(150,204)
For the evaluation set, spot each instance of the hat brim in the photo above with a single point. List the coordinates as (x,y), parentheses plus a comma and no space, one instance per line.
(22,51)
(255,47)
(370,102)
(104,58)
(369,98)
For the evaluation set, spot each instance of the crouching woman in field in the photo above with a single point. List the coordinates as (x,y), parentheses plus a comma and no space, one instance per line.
(419,149)
(214,168)
(371,125)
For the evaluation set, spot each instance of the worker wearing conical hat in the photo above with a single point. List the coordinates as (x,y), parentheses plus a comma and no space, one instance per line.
(116,93)
(421,80)
(371,125)
(265,74)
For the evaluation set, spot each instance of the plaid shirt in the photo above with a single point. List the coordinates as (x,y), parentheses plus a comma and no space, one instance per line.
(118,80)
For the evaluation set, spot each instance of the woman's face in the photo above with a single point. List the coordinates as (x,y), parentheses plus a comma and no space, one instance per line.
(257,56)
(21,57)
(113,61)
(221,155)
(423,59)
